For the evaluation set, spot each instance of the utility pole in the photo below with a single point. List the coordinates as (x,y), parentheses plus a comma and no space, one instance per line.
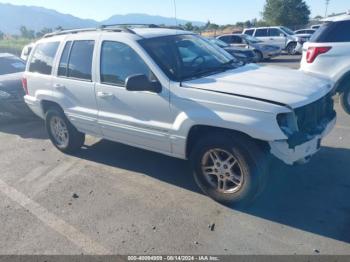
(327,4)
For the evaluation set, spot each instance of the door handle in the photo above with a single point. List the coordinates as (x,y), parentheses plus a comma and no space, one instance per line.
(59,87)
(104,95)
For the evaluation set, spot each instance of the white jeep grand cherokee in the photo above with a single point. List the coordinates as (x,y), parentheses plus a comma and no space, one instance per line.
(175,93)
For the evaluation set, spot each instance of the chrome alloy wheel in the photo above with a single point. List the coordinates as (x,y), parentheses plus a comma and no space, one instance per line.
(222,171)
(59,131)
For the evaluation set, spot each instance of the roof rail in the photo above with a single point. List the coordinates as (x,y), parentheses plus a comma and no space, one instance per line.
(112,27)
(82,30)
(130,25)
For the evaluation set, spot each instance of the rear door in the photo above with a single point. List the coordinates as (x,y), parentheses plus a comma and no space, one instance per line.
(262,34)
(73,85)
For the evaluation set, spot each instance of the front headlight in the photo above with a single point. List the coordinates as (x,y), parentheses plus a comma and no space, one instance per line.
(288,123)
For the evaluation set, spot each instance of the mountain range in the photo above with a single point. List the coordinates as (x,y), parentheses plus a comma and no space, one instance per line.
(12,17)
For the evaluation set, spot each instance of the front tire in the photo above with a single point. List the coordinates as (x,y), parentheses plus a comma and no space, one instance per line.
(231,169)
(345,99)
(291,48)
(259,56)
(62,133)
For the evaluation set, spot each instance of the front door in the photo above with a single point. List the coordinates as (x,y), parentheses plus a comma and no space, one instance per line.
(138,118)
(277,37)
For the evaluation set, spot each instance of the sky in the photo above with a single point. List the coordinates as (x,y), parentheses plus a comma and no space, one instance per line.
(216,11)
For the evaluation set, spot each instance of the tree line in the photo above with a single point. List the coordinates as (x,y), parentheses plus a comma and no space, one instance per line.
(290,13)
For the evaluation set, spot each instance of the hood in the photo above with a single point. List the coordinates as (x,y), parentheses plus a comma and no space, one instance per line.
(268,83)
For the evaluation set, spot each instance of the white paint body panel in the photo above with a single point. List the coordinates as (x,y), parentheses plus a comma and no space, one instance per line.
(338,57)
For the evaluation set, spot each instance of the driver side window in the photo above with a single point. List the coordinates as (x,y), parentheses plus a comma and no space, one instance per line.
(119,61)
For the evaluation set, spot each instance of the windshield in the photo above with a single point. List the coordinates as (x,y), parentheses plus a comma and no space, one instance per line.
(218,42)
(11,65)
(185,57)
(287,30)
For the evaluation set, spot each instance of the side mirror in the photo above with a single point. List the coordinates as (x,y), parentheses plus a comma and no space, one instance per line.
(142,83)
(282,35)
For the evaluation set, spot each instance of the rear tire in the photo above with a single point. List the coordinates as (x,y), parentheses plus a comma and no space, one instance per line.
(235,182)
(345,99)
(62,133)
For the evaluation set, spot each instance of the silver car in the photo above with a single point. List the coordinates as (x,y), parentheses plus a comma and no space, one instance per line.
(262,51)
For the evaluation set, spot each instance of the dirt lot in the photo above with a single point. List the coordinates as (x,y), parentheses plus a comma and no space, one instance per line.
(112,198)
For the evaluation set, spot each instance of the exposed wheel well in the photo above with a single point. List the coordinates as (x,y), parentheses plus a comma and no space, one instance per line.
(341,84)
(201,130)
(46,105)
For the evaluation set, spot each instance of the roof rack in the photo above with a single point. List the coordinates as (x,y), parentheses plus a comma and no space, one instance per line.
(112,27)
(83,30)
(131,25)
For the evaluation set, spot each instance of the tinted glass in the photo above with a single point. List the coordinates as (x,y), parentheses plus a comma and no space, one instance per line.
(43,57)
(226,39)
(119,61)
(184,57)
(275,32)
(249,32)
(236,39)
(80,61)
(11,65)
(62,69)
(261,33)
(332,33)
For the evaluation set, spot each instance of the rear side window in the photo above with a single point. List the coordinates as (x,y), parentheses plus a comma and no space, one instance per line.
(62,68)
(43,57)
(226,38)
(236,39)
(80,60)
(249,32)
(119,61)
(334,32)
(261,32)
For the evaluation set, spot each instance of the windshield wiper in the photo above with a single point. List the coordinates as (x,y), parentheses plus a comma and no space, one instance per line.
(208,71)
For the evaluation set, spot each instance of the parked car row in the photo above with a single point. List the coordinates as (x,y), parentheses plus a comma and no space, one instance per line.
(176,93)
(262,50)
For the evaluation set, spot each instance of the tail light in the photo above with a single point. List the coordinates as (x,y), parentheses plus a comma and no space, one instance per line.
(25,85)
(314,52)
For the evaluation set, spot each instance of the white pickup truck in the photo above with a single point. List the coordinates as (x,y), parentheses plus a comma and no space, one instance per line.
(173,92)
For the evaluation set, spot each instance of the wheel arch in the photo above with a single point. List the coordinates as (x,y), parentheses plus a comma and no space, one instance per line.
(340,85)
(47,104)
(198,131)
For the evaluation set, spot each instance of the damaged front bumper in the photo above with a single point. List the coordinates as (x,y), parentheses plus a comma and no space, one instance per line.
(299,153)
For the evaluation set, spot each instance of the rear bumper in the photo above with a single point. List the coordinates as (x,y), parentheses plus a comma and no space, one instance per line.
(301,153)
(34,105)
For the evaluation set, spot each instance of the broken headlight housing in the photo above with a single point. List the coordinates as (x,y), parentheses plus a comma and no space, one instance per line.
(288,123)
